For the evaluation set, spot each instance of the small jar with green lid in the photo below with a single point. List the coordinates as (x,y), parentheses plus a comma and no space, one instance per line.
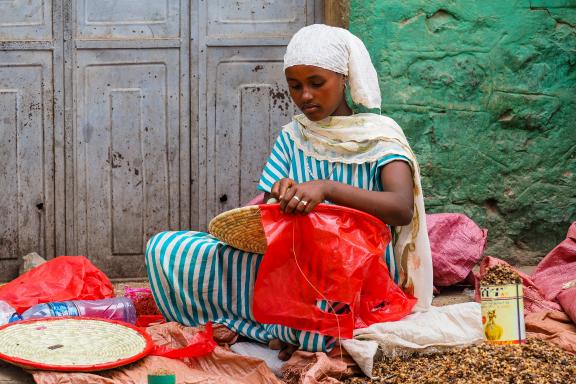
(161,376)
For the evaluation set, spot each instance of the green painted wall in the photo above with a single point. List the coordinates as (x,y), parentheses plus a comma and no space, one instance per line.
(486,93)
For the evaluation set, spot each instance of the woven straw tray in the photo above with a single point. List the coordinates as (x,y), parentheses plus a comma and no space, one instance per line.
(72,344)
(241,228)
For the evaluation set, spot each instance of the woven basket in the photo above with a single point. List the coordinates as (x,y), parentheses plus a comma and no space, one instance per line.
(72,344)
(241,228)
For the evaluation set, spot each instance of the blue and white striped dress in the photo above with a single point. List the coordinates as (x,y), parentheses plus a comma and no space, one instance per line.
(196,278)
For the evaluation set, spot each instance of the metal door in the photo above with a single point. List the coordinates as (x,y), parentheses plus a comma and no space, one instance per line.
(130,128)
(29,110)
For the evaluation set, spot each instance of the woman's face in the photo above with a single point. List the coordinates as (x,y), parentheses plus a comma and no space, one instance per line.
(317,92)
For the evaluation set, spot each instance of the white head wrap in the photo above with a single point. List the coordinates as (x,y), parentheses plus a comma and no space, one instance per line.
(337,50)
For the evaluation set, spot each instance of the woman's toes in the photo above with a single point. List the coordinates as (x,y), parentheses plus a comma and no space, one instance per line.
(275,344)
(286,353)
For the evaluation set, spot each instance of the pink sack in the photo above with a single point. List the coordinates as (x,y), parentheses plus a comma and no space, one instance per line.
(567,300)
(558,267)
(457,245)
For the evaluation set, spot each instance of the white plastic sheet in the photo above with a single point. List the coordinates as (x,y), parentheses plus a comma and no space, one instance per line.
(454,325)
(6,312)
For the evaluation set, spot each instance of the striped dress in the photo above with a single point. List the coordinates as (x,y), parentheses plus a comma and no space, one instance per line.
(196,278)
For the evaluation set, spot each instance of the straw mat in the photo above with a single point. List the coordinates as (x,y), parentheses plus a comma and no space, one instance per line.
(72,344)
(241,228)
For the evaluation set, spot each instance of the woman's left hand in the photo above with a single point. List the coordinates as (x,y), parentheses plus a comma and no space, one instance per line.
(302,198)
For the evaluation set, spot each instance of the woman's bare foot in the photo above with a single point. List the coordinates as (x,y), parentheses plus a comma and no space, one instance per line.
(286,349)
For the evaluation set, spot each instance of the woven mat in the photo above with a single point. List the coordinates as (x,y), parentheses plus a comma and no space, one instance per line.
(62,343)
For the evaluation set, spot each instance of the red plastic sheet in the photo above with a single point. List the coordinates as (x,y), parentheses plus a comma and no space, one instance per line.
(60,279)
(333,254)
(201,344)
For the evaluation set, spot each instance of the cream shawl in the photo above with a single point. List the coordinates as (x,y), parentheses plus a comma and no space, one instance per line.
(367,137)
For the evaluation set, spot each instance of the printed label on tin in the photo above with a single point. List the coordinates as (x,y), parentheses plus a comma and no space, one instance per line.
(503,314)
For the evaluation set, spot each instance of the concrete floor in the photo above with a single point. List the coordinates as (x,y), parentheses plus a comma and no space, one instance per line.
(14,375)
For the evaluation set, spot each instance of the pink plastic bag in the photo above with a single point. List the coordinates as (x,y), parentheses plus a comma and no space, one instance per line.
(457,245)
(257,200)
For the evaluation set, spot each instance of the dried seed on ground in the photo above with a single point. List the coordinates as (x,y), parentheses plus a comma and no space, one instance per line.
(535,362)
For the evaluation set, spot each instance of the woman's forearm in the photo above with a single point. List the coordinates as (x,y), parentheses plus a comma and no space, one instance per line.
(390,207)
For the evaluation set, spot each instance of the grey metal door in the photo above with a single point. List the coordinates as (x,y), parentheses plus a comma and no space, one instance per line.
(94,128)
(123,118)
(130,128)
(29,111)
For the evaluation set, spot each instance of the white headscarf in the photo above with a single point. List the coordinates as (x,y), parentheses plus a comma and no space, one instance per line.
(337,50)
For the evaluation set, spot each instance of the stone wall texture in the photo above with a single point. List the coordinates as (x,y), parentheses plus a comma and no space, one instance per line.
(486,93)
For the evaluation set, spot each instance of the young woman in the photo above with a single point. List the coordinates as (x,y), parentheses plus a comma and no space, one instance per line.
(328,154)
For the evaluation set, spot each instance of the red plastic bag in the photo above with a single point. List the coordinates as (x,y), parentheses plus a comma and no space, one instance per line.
(59,279)
(333,254)
(201,344)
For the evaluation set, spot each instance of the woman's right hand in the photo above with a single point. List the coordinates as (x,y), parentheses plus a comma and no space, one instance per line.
(299,198)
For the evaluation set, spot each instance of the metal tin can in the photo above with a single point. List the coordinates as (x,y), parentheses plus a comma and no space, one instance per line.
(503,313)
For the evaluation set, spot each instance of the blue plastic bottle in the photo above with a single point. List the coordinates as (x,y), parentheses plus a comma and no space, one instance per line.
(116,308)
(7,313)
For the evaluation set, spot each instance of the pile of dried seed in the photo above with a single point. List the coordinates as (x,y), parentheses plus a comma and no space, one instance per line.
(536,362)
(501,274)
(161,372)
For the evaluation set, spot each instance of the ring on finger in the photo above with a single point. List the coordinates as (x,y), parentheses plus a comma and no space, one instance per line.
(304,202)
(296,198)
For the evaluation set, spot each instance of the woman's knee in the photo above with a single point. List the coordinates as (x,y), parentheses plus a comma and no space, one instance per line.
(171,243)
(152,246)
